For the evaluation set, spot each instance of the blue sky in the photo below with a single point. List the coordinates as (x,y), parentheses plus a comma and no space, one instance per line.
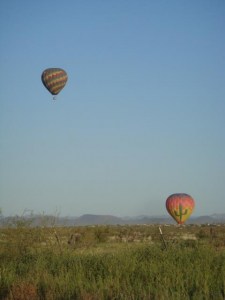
(141,117)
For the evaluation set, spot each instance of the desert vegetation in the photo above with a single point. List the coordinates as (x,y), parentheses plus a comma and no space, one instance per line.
(112,262)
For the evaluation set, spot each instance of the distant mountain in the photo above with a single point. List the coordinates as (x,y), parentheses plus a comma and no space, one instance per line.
(203,220)
(218,216)
(91,219)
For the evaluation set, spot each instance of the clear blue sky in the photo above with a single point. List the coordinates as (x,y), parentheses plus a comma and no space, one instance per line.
(141,117)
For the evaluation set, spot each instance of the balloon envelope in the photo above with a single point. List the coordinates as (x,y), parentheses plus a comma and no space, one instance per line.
(54,79)
(180,206)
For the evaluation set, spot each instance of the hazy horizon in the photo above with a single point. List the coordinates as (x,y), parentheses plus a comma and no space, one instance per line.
(29,213)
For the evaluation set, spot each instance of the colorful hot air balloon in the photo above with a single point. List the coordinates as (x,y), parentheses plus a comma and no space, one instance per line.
(54,79)
(180,206)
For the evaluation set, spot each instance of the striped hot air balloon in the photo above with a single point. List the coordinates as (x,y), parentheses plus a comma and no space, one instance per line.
(180,206)
(54,79)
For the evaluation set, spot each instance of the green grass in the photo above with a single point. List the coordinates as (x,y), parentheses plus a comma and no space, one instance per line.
(45,267)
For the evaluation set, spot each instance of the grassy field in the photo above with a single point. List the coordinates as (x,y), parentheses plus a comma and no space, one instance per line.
(112,262)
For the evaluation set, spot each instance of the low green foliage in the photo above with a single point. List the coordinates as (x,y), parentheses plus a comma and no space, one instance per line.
(104,263)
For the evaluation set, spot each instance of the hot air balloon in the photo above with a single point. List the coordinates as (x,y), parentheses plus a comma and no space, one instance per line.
(54,79)
(180,206)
